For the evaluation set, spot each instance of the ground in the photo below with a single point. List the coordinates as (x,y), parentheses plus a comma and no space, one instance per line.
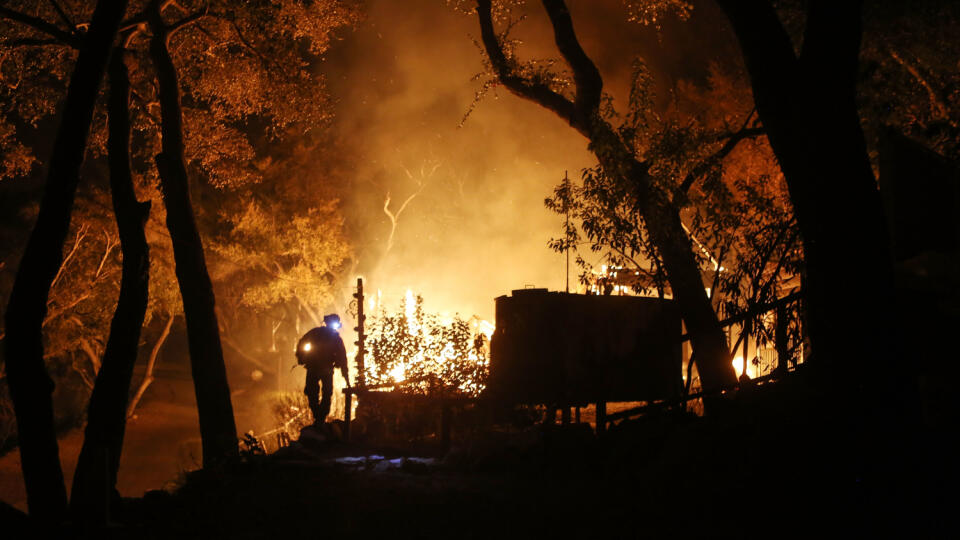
(161,443)
(774,462)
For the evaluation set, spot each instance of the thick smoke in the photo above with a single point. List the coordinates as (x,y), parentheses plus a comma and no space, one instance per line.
(476,227)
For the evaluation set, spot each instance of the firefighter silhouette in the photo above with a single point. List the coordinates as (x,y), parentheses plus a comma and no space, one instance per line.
(321,350)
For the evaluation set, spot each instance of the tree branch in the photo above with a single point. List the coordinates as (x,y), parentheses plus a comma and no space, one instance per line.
(187,21)
(63,15)
(31,42)
(395,216)
(110,242)
(732,141)
(92,355)
(537,92)
(310,311)
(81,234)
(586,76)
(151,364)
(937,106)
(40,25)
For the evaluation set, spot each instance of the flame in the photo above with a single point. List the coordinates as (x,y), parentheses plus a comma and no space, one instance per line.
(434,349)
(738,367)
(410,310)
(398,373)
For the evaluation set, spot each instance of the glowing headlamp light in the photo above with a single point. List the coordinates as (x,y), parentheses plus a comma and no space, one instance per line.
(306,347)
(335,325)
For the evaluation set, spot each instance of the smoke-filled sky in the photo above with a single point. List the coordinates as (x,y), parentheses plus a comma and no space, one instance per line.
(478,227)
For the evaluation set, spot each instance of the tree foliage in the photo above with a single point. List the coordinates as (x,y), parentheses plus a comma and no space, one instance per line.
(735,205)
(249,78)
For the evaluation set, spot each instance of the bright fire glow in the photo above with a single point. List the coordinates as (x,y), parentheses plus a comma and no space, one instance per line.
(398,373)
(430,345)
(410,309)
(738,367)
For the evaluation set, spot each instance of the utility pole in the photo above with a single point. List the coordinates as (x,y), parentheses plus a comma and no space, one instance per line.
(361,337)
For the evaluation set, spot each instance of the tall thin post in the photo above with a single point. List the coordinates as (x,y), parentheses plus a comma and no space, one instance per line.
(746,345)
(361,337)
(566,226)
(780,339)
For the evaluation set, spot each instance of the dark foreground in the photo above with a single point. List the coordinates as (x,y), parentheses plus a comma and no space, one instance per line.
(777,463)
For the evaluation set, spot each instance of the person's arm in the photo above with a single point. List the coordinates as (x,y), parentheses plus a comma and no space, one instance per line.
(342,361)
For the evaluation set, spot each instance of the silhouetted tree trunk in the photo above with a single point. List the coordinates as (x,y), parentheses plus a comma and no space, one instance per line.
(661,216)
(217,426)
(30,385)
(95,479)
(808,106)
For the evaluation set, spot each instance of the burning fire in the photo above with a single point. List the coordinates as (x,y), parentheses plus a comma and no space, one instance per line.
(414,346)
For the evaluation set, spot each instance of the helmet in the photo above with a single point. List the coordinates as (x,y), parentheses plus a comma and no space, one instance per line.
(332,320)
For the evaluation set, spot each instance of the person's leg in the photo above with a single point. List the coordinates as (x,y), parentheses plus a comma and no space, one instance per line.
(326,392)
(311,389)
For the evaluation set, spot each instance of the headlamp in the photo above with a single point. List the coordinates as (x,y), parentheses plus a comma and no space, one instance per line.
(306,347)
(335,325)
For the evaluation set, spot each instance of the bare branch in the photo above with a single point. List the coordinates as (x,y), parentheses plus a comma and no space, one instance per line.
(395,216)
(310,311)
(936,103)
(81,234)
(151,364)
(275,327)
(110,243)
(91,355)
(40,25)
(187,21)
(59,311)
(62,14)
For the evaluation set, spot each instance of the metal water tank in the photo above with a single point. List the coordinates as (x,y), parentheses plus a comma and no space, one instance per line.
(560,348)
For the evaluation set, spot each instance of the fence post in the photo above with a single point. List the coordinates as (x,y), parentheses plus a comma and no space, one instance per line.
(347,412)
(601,417)
(780,336)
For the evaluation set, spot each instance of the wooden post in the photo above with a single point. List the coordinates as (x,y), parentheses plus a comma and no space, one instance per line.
(347,412)
(576,414)
(445,423)
(746,345)
(780,339)
(361,337)
(565,415)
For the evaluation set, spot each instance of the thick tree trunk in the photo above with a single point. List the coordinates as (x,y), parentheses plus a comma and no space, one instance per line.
(95,478)
(666,231)
(707,337)
(808,107)
(30,386)
(217,426)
